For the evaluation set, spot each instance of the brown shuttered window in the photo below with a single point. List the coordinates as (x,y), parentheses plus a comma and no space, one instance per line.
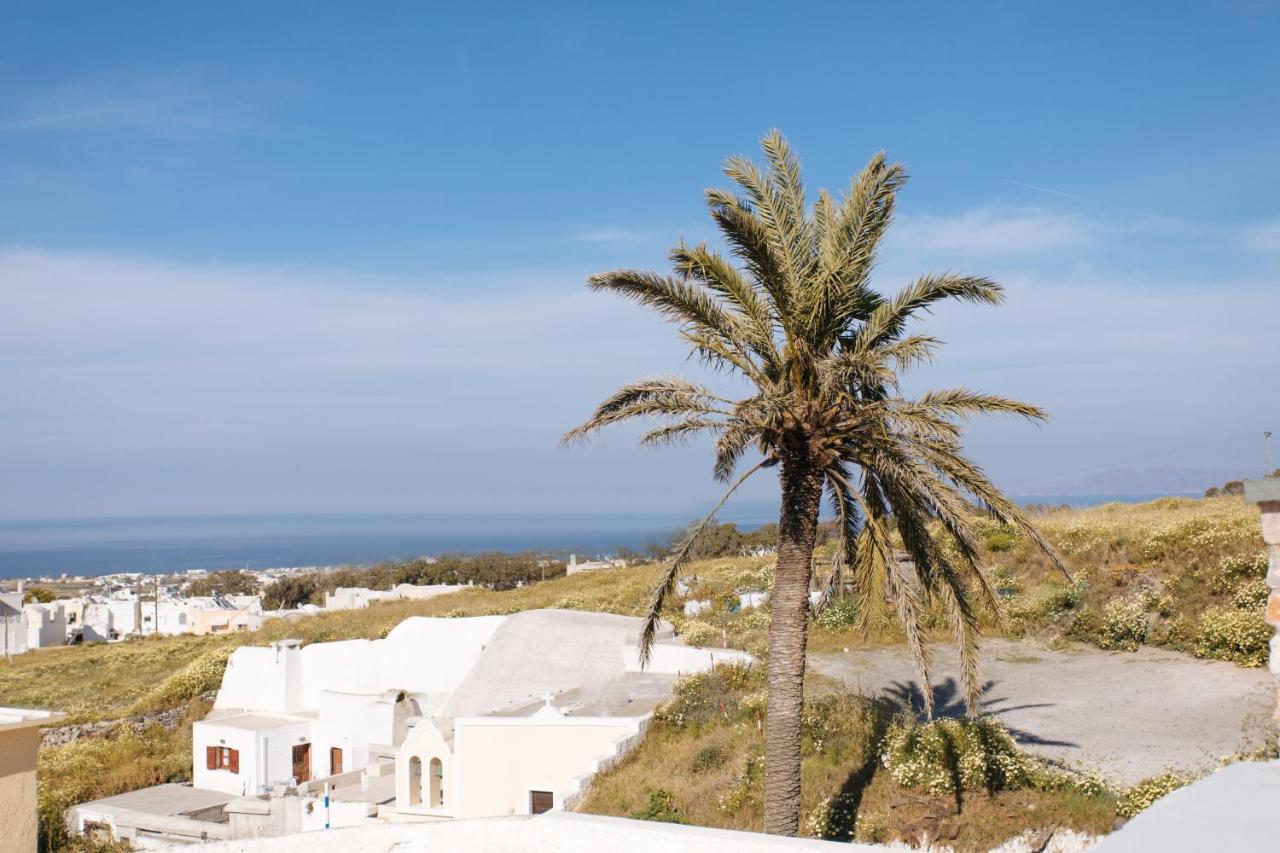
(222,758)
(540,801)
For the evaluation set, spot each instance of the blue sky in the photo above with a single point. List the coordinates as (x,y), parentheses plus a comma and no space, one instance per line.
(269,257)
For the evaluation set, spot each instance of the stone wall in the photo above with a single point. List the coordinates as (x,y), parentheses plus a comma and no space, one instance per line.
(169,718)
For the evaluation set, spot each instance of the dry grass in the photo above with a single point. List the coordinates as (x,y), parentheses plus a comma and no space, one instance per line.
(1179,559)
(701,761)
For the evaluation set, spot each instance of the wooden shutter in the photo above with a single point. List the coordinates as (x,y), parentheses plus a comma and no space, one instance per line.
(335,761)
(233,760)
(540,801)
(211,757)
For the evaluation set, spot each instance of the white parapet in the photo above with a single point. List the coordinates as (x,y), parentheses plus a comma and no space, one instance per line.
(559,831)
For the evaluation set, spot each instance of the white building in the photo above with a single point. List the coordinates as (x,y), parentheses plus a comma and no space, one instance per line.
(357,597)
(444,718)
(574,567)
(29,626)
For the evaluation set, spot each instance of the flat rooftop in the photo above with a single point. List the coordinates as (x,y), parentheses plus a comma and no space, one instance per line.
(254,721)
(167,799)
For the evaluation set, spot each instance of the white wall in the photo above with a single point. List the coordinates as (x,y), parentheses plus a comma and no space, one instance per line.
(46,625)
(557,831)
(266,756)
(499,760)
(206,734)
(681,659)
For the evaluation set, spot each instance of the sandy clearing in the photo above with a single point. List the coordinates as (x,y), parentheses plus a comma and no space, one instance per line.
(1129,715)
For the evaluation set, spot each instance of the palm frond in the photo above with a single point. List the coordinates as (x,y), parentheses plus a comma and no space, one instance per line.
(659,395)
(679,431)
(681,556)
(888,319)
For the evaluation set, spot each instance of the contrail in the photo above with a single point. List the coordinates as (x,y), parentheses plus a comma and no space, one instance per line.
(1049,191)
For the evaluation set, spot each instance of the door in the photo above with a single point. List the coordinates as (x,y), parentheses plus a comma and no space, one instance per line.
(302,763)
(335,760)
(540,801)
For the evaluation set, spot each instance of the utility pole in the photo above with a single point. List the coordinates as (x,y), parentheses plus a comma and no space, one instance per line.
(156,626)
(1266,452)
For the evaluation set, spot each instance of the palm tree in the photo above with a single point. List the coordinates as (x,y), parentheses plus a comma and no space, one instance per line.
(823,353)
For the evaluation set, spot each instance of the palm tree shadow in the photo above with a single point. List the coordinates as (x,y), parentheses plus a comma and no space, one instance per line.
(948,703)
(855,785)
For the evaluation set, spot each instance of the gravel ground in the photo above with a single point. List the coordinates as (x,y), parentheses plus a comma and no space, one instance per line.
(1129,715)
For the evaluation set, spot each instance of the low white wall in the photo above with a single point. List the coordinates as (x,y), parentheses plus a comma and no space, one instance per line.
(558,831)
(681,659)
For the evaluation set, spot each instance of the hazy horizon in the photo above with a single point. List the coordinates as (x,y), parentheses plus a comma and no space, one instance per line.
(339,266)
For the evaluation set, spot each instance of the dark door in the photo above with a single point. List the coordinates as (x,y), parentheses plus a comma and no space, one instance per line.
(302,762)
(540,801)
(335,761)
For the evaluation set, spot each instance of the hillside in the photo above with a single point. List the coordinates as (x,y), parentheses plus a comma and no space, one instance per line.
(1180,573)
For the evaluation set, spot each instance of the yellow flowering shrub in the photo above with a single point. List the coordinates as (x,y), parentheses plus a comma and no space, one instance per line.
(1141,796)
(1239,636)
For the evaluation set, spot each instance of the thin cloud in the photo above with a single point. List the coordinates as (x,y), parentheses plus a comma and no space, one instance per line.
(1264,237)
(158,106)
(612,235)
(994,230)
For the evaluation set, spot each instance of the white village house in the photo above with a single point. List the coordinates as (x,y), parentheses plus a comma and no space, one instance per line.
(444,718)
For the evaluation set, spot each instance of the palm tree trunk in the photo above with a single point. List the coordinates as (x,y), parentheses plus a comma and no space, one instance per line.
(801,482)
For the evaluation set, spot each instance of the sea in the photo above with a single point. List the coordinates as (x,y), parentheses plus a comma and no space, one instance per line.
(90,547)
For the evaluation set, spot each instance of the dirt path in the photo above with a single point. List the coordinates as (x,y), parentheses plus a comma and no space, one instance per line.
(1129,715)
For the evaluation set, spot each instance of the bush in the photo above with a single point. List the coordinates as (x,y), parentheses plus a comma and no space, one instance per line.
(1124,625)
(1251,595)
(699,697)
(749,787)
(834,817)
(661,807)
(839,613)
(1231,570)
(943,755)
(708,758)
(1146,792)
(1001,541)
(1239,636)
(699,634)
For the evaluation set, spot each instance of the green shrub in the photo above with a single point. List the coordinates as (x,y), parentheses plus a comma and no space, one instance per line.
(943,755)
(660,807)
(718,692)
(1124,625)
(1239,636)
(708,758)
(1146,792)
(1003,540)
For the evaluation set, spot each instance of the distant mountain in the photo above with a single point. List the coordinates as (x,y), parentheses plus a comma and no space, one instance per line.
(1163,480)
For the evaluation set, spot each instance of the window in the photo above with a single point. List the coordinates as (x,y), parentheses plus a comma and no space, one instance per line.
(541,801)
(335,761)
(436,781)
(222,758)
(415,781)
